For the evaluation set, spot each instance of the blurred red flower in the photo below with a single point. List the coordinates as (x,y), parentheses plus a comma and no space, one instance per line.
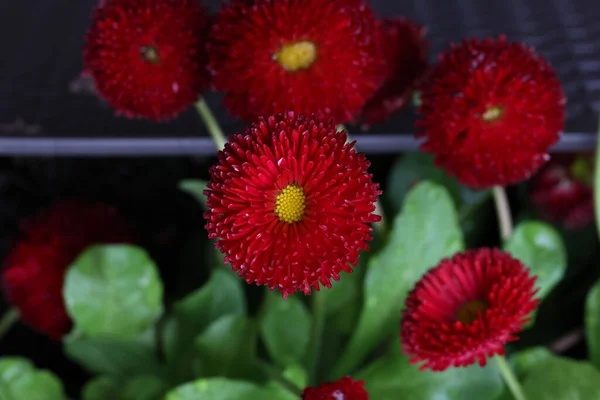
(346,389)
(490,110)
(314,56)
(147,57)
(34,271)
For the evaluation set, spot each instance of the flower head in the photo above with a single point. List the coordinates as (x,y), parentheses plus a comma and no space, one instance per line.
(290,202)
(147,57)
(405,52)
(466,309)
(490,111)
(344,389)
(563,192)
(34,271)
(314,56)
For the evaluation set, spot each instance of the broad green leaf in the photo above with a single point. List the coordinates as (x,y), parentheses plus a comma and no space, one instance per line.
(225,389)
(285,328)
(562,379)
(425,232)
(540,247)
(525,360)
(297,375)
(592,324)
(112,356)
(343,291)
(138,388)
(195,188)
(20,380)
(101,388)
(393,377)
(144,388)
(222,295)
(113,290)
(227,348)
(412,168)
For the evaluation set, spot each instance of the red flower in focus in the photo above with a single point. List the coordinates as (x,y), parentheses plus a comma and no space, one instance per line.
(344,389)
(466,309)
(490,111)
(147,57)
(405,52)
(562,192)
(34,271)
(314,56)
(290,203)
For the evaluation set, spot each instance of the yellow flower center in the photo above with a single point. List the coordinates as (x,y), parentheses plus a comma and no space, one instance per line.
(582,170)
(297,56)
(290,204)
(470,311)
(493,113)
(150,54)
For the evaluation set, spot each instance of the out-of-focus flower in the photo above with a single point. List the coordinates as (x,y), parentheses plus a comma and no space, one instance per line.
(343,389)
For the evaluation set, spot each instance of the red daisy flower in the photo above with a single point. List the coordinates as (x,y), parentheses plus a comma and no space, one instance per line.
(147,57)
(344,389)
(34,271)
(467,308)
(563,191)
(313,56)
(405,52)
(490,111)
(290,203)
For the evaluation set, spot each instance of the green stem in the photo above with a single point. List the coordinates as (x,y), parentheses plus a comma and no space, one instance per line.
(380,226)
(316,335)
(597,182)
(10,317)
(211,123)
(510,378)
(503,211)
(275,375)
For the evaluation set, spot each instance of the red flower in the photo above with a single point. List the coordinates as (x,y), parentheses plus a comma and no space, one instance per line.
(313,56)
(490,111)
(290,202)
(344,389)
(562,192)
(147,57)
(467,308)
(405,52)
(34,271)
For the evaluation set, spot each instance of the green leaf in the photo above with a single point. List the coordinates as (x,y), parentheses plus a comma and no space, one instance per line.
(138,388)
(562,379)
(592,324)
(20,380)
(285,329)
(408,171)
(196,188)
(222,295)
(540,247)
(113,290)
(393,377)
(525,360)
(227,348)
(297,375)
(112,356)
(425,232)
(101,388)
(144,388)
(225,389)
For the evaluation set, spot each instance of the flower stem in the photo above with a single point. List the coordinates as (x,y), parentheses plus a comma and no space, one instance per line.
(211,123)
(503,211)
(597,182)
(380,226)
(316,335)
(10,317)
(510,378)
(275,375)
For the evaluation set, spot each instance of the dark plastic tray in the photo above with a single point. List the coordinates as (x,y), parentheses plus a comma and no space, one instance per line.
(46,110)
